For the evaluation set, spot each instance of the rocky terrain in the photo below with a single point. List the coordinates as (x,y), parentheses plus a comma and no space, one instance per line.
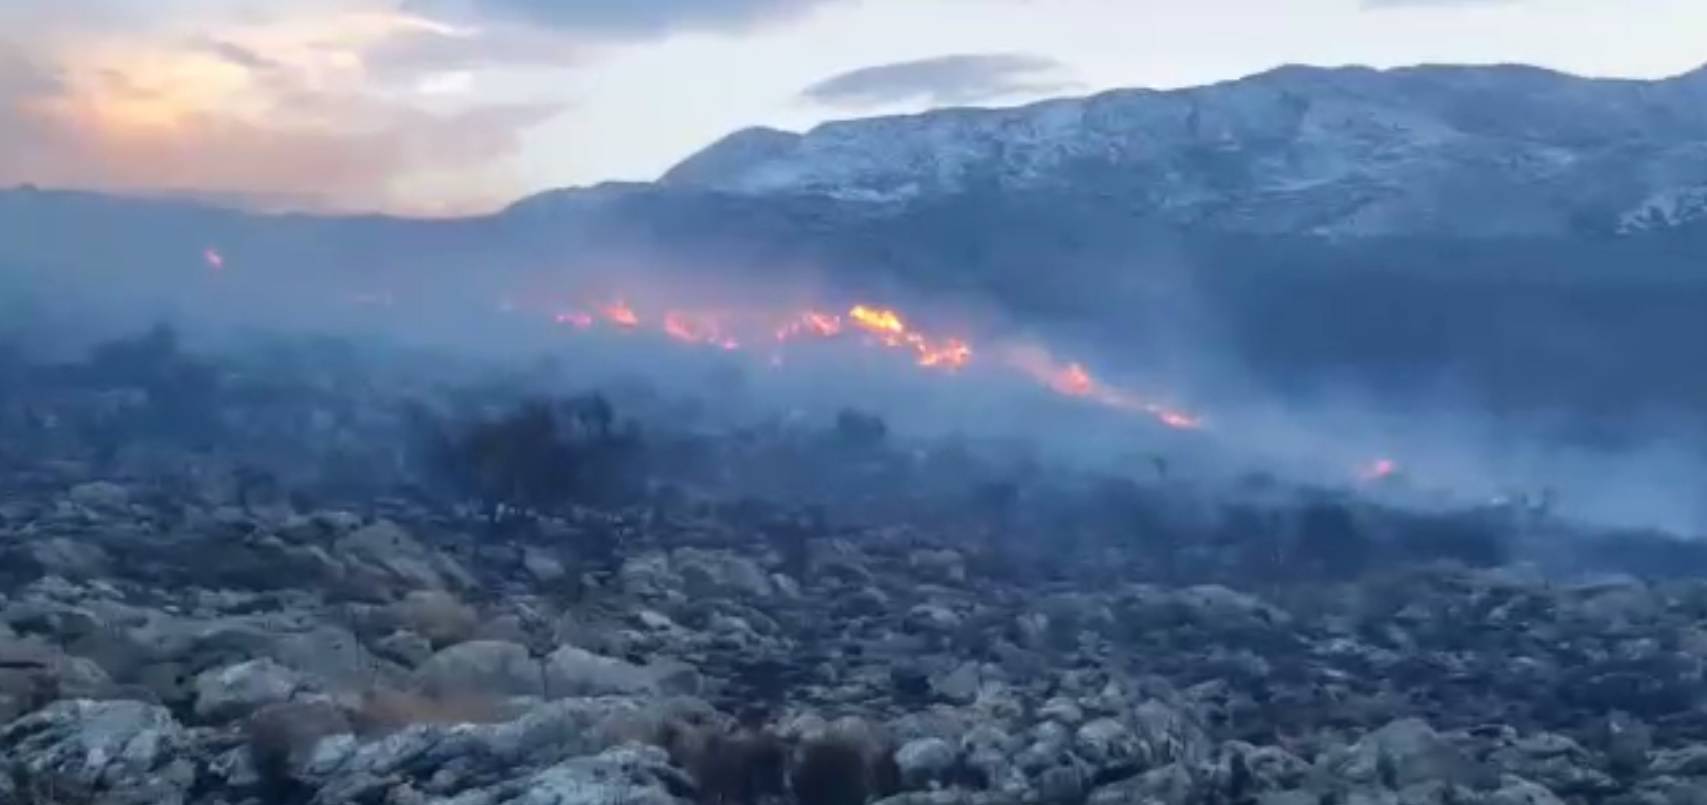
(220,584)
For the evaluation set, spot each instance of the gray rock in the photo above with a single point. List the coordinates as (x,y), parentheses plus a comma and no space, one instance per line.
(932,618)
(1518,791)
(440,617)
(1628,742)
(405,648)
(389,549)
(110,753)
(709,574)
(453,760)
(73,559)
(953,797)
(926,762)
(959,685)
(31,673)
(1556,762)
(1683,761)
(1271,768)
(867,601)
(1404,753)
(572,671)
(233,692)
(1172,784)
(1106,743)
(988,753)
(1166,734)
(100,496)
(630,775)
(329,653)
(648,576)
(942,565)
(1062,783)
(487,667)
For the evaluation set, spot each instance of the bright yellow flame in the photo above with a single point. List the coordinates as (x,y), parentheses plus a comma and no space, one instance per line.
(877,320)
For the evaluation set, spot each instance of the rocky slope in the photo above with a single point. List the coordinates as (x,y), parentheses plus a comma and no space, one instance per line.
(1482,151)
(182,622)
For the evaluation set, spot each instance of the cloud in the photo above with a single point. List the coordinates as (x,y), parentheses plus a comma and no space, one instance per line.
(628,19)
(943,80)
(300,113)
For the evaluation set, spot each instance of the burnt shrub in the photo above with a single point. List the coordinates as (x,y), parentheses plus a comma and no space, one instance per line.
(1472,538)
(745,768)
(541,455)
(180,393)
(860,430)
(1330,543)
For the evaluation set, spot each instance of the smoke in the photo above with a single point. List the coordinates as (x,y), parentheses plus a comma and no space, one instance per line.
(1155,332)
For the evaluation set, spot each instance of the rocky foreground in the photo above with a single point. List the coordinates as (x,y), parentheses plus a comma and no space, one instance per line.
(208,596)
(213,653)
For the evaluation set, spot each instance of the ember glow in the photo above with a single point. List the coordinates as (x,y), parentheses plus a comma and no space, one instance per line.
(214,259)
(697,329)
(811,323)
(1379,469)
(575,318)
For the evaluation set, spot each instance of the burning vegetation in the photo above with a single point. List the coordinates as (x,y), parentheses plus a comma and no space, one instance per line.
(874,326)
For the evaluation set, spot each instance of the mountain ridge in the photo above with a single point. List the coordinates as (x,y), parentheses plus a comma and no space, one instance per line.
(1497,150)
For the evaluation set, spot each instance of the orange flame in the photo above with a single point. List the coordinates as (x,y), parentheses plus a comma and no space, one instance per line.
(811,322)
(1073,380)
(888,328)
(620,314)
(892,331)
(697,329)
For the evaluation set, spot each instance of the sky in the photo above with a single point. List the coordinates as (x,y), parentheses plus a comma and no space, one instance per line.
(447,107)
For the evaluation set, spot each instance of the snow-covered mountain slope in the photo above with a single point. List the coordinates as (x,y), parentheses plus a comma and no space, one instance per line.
(1499,150)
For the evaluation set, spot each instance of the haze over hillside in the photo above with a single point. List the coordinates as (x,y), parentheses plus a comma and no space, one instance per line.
(1505,239)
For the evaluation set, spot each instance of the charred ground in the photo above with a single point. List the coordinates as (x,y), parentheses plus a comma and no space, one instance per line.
(310,573)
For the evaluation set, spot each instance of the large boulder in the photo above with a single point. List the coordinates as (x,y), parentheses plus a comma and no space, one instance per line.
(107,753)
(1167,734)
(628,775)
(1403,753)
(926,762)
(32,673)
(439,616)
(489,667)
(572,671)
(708,574)
(234,692)
(392,554)
(443,761)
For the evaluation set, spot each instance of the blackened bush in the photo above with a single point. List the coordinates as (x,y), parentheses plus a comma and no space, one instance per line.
(741,769)
(1469,537)
(831,772)
(859,429)
(843,770)
(1330,543)
(540,456)
(182,392)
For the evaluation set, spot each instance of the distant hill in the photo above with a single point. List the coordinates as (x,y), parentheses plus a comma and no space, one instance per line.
(1534,240)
